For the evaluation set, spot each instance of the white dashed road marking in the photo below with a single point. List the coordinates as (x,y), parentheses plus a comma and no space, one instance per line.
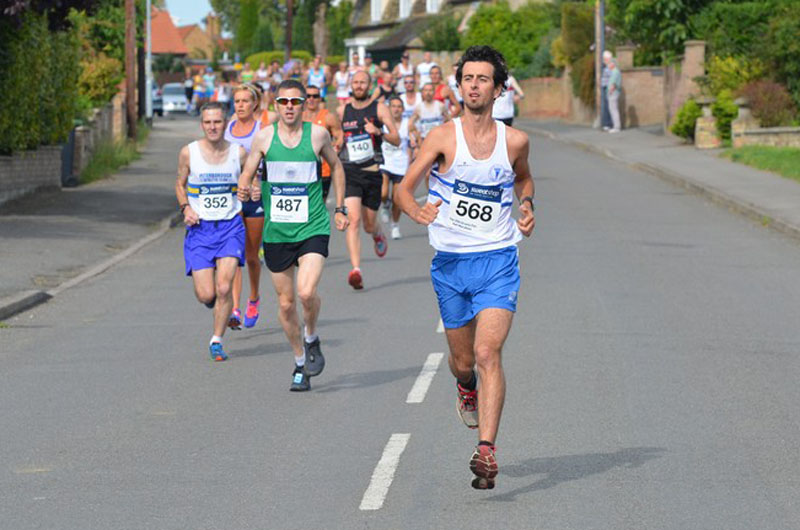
(424,379)
(384,473)
(440,327)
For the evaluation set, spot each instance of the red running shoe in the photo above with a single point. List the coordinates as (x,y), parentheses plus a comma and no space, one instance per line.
(381,244)
(484,465)
(467,406)
(354,279)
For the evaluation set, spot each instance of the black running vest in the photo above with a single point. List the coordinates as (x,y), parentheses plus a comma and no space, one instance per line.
(353,126)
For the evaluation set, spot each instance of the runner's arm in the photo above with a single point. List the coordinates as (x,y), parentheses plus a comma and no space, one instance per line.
(519,148)
(334,127)
(517,88)
(257,150)
(431,150)
(393,137)
(326,151)
(454,104)
(190,217)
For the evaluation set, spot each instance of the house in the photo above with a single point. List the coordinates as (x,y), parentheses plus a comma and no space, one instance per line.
(166,39)
(200,42)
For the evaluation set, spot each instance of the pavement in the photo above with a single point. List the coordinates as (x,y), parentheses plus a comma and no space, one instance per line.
(54,240)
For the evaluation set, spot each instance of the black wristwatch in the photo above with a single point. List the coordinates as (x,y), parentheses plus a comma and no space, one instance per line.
(340,209)
(531,200)
(183,206)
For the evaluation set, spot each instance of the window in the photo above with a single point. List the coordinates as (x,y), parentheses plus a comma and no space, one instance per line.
(375,6)
(405,8)
(432,6)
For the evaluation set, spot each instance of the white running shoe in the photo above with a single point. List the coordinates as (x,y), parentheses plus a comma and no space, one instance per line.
(385,215)
(396,232)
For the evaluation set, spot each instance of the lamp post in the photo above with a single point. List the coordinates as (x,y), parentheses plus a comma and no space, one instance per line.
(130,67)
(148,67)
(600,46)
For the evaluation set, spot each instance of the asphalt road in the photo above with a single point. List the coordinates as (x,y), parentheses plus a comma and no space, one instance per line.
(652,376)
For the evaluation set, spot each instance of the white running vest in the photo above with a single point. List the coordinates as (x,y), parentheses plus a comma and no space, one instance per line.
(477,197)
(212,187)
(395,158)
(453,84)
(245,141)
(342,80)
(400,87)
(409,109)
(503,108)
(430,116)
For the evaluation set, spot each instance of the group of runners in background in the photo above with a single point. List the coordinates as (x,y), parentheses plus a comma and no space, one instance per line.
(258,182)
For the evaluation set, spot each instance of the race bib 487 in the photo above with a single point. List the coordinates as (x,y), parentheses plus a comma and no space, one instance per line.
(288,204)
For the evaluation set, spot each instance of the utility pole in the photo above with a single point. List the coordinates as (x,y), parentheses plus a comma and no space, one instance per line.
(130,67)
(148,67)
(600,46)
(289,9)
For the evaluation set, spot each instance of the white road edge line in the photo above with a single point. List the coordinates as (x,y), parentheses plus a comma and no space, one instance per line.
(384,473)
(425,378)
(440,326)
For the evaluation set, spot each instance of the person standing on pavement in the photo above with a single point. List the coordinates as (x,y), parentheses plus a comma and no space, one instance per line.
(206,188)
(241,131)
(480,164)
(362,123)
(605,121)
(316,113)
(297,227)
(614,91)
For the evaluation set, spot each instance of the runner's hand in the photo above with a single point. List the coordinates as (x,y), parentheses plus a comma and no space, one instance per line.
(190,217)
(243,193)
(370,128)
(427,214)
(526,221)
(341,220)
(255,192)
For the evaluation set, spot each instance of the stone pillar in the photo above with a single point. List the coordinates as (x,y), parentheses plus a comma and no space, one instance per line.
(745,121)
(625,57)
(693,65)
(706,135)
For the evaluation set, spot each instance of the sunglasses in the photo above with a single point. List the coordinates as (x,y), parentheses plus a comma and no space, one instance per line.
(405,56)
(296,102)
(313,96)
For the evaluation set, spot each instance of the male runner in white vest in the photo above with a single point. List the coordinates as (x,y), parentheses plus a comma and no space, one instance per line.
(479,165)
(208,173)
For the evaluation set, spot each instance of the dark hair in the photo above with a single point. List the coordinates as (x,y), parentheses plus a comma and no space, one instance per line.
(288,84)
(485,54)
(315,87)
(215,105)
(398,98)
(435,67)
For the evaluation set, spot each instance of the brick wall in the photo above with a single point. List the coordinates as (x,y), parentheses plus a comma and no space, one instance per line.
(774,136)
(642,88)
(546,98)
(27,171)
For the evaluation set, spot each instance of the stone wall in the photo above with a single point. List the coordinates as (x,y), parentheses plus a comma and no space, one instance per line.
(641,87)
(546,98)
(679,79)
(774,136)
(27,171)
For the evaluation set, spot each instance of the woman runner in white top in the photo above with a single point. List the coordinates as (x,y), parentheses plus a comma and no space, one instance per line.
(342,81)
(396,160)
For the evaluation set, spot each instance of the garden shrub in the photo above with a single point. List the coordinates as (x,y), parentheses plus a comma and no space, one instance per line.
(732,29)
(442,33)
(99,78)
(685,119)
(577,36)
(730,73)
(782,47)
(770,103)
(583,79)
(725,111)
(277,55)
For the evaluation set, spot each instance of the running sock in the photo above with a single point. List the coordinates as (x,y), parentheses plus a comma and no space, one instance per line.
(471,384)
(211,304)
(300,361)
(215,338)
(486,443)
(309,337)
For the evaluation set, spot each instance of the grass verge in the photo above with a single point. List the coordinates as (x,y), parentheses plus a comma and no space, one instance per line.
(784,161)
(110,155)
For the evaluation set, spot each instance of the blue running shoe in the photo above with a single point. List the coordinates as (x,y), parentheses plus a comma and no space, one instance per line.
(251,314)
(217,354)
(235,321)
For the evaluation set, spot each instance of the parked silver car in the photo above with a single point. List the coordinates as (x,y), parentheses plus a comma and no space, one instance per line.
(174,98)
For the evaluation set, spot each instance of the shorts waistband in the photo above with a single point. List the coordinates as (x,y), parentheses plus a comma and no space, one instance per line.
(479,254)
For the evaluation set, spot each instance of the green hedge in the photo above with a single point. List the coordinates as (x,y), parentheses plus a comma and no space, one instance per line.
(733,29)
(277,55)
(38,83)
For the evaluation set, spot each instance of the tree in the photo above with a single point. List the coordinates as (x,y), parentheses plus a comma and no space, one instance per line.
(263,41)
(338,22)
(247,27)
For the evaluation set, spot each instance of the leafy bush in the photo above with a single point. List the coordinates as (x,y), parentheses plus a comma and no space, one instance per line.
(685,119)
(277,55)
(334,60)
(338,21)
(577,30)
(782,47)
(510,32)
(770,103)
(442,34)
(99,78)
(583,79)
(732,28)
(725,111)
(541,63)
(730,73)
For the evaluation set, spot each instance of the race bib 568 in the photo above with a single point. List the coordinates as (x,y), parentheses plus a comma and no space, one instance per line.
(474,207)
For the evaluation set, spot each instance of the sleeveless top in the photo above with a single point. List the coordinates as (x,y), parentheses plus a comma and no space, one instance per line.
(395,158)
(400,87)
(408,109)
(437,93)
(316,79)
(342,84)
(319,119)
(212,187)
(245,141)
(360,149)
(453,84)
(504,105)
(477,196)
(292,192)
(430,116)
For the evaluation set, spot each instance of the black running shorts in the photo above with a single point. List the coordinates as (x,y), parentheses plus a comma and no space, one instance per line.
(281,256)
(365,185)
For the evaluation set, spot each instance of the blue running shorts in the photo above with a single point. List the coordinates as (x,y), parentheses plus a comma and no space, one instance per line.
(466,284)
(209,240)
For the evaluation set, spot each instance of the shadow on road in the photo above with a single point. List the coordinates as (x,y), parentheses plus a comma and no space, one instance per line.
(560,469)
(399,281)
(367,379)
(279,346)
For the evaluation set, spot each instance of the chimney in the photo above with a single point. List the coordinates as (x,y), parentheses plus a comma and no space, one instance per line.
(212,25)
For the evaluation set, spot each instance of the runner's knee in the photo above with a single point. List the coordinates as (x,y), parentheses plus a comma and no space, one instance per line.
(306,295)
(486,357)
(286,303)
